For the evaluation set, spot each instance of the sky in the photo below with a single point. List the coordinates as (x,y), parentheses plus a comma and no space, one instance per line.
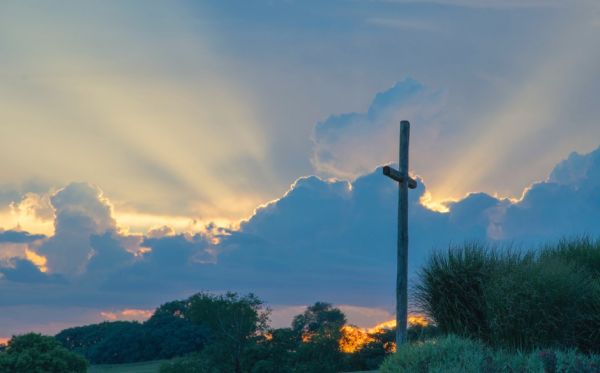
(153,149)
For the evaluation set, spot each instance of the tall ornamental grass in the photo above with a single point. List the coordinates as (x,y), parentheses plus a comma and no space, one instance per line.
(514,300)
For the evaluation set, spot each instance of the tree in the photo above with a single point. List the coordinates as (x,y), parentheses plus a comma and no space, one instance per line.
(273,353)
(165,335)
(170,335)
(107,342)
(176,308)
(320,318)
(37,353)
(318,329)
(235,321)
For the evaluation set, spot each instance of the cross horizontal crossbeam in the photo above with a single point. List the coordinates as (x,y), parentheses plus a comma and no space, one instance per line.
(399,177)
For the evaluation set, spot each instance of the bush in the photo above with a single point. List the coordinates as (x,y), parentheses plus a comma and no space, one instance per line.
(37,353)
(456,354)
(449,354)
(549,299)
(193,363)
(543,305)
(451,289)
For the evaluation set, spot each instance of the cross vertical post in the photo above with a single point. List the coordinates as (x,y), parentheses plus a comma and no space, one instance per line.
(404,183)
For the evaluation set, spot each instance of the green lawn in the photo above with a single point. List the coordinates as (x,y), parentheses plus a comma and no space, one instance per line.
(143,367)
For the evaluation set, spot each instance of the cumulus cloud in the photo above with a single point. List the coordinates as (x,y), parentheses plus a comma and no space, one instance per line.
(352,144)
(338,238)
(11,236)
(323,240)
(108,254)
(25,271)
(327,234)
(81,211)
(568,203)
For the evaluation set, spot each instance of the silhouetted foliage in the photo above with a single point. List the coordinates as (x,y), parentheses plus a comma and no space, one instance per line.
(192,363)
(311,345)
(234,321)
(37,353)
(272,352)
(418,333)
(176,308)
(371,355)
(164,336)
(320,318)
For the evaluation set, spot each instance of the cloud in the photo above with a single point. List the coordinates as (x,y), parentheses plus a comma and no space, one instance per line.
(489,4)
(403,24)
(29,209)
(352,144)
(326,234)
(567,204)
(81,211)
(11,236)
(578,170)
(324,239)
(108,254)
(25,271)
(127,314)
(175,251)
(338,238)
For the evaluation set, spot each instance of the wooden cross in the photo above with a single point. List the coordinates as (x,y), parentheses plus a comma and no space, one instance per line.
(404,182)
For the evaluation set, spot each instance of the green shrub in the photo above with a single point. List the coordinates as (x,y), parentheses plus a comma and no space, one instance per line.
(37,353)
(548,299)
(193,363)
(456,354)
(448,354)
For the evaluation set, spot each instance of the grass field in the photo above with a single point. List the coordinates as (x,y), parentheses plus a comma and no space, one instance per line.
(143,367)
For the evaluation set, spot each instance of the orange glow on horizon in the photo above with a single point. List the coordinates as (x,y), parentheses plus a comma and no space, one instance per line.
(129,314)
(417,319)
(355,338)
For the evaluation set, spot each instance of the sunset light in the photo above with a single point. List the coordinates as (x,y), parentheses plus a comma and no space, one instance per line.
(355,338)
(271,185)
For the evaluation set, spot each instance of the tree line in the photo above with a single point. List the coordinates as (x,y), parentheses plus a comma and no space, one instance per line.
(209,333)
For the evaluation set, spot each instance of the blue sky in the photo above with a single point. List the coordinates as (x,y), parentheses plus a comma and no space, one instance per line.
(153,149)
